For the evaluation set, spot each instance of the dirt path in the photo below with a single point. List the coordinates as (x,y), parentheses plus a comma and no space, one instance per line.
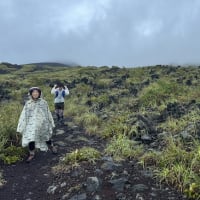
(110,180)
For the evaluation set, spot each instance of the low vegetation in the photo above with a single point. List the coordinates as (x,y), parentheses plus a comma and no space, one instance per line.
(84,154)
(150,114)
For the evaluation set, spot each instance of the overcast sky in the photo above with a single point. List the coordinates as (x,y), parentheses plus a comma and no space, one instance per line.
(100,32)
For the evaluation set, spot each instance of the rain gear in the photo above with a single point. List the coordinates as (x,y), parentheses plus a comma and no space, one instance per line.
(36,123)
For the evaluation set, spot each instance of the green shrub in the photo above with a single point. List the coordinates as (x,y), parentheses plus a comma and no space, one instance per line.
(176,166)
(175,126)
(121,148)
(12,154)
(3,142)
(9,117)
(118,124)
(101,100)
(159,92)
(82,89)
(84,154)
(149,158)
(193,190)
(87,118)
(92,129)
(111,130)
(103,83)
(73,109)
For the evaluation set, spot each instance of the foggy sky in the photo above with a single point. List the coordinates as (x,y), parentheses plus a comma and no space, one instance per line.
(100,32)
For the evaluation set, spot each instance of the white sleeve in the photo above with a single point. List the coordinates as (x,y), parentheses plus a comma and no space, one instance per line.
(66,90)
(53,90)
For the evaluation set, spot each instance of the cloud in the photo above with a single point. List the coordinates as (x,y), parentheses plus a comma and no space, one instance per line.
(100,32)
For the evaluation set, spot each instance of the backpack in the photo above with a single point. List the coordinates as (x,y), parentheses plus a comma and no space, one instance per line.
(63,93)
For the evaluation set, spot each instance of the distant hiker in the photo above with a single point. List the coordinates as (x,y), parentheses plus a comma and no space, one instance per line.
(36,124)
(60,91)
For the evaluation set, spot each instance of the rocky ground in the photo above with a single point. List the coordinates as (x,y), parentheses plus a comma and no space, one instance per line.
(102,180)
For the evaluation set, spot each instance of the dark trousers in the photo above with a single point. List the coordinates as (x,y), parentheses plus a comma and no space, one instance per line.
(59,110)
(31,145)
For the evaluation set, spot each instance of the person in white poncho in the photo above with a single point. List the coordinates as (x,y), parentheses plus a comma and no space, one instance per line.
(36,124)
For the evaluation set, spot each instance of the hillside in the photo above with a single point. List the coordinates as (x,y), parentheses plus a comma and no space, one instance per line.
(140,128)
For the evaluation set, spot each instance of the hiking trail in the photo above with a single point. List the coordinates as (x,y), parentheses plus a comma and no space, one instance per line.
(105,179)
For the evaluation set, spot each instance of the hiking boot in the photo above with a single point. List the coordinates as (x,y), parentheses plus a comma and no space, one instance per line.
(58,117)
(30,158)
(53,149)
(61,121)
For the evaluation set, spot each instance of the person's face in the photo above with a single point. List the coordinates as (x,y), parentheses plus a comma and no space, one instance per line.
(35,94)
